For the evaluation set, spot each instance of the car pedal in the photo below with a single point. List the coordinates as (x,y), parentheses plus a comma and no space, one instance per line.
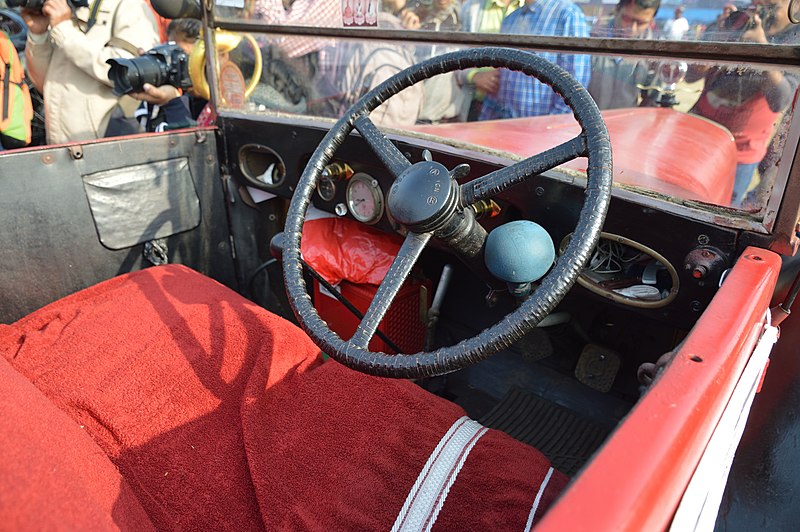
(598,367)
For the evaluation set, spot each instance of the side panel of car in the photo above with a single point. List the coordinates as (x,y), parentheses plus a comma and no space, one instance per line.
(648,462)
(75,215)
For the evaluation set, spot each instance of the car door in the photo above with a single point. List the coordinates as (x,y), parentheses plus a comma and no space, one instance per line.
(76,214)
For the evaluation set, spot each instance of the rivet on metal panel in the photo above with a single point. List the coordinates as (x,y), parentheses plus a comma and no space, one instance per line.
(47,159)
(76,151)
(210,159)
(173,143)
(703,240)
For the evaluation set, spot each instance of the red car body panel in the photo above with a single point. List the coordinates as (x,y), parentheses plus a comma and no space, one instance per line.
(678,154)
(636,480)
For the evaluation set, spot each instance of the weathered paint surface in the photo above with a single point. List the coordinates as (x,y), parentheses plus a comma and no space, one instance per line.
(657,149)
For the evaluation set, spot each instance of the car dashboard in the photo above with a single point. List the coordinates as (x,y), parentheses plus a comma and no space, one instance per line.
(266,159)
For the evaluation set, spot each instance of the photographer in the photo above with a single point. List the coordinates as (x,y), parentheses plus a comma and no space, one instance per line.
(68,45)
(747,102)
(166,107)
(615,81)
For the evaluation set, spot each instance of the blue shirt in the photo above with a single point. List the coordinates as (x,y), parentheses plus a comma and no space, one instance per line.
(520,95)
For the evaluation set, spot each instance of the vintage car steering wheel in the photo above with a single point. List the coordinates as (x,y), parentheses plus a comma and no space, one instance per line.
(426,199)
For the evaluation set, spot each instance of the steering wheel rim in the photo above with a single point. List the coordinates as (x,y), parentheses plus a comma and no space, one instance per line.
(593,142)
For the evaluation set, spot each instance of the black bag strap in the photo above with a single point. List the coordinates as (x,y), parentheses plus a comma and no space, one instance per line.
(6,88)
(6,74)
(93,15)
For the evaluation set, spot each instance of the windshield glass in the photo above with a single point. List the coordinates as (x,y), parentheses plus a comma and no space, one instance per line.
(698,132)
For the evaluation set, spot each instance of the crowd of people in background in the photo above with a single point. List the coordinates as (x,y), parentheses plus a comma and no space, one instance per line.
(65,59)
(69,42)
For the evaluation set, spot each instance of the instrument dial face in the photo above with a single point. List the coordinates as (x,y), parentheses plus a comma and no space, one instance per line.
(326,188)
(364,198)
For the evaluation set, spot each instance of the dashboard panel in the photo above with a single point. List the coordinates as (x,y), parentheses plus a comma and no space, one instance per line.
(356,187)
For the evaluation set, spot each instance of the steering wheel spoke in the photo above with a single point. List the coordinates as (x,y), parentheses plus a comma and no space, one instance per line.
(398,272)
(492,184)
(390,156)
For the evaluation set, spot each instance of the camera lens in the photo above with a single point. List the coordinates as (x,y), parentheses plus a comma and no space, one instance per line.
(33,5)
(130,75)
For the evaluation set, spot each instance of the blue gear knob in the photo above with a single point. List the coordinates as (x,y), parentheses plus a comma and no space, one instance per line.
(519,253)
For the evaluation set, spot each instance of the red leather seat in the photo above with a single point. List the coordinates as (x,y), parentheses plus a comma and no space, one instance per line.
(221,415)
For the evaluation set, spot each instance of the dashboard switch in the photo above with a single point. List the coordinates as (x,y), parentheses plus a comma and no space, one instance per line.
(704,264)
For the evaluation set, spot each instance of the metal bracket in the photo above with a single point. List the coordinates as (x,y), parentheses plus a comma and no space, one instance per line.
(156,251)
(76,151)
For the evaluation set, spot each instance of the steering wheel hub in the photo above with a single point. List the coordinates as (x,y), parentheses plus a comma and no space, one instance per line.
(423,197)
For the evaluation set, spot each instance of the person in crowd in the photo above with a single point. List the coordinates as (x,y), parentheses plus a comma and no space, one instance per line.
(486,16)
(482,16)
(404,13)
(749,102)
(443,99)
(166,107)
(615,80)
(519,95)
(184,32)
(292,64)
(716,29)
(17,115)
(355,67)
(318,13)
(436,15)
(66,56)
(675,29)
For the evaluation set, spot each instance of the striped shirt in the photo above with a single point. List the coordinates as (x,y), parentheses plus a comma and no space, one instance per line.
(520,95)
(318,13)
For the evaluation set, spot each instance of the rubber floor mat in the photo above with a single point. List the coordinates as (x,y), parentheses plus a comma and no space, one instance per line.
(565,437)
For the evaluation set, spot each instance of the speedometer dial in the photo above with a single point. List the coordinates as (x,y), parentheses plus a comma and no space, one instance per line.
(365,198)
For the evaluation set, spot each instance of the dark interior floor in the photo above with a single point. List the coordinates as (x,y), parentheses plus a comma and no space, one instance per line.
(534,403)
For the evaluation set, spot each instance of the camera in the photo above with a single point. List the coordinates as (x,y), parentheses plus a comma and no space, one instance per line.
(166,64)
(36,5)
(740,21)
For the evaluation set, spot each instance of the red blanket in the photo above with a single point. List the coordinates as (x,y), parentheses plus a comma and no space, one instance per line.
(220,415)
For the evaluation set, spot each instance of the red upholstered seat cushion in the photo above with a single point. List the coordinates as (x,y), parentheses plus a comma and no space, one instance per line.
(221,415)
(357,444)
(154,365)
(52,475)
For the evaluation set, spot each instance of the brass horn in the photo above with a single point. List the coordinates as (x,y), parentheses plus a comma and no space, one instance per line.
(225,42)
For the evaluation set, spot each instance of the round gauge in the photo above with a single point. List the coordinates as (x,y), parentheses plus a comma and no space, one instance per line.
(326,188)
(365,198)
